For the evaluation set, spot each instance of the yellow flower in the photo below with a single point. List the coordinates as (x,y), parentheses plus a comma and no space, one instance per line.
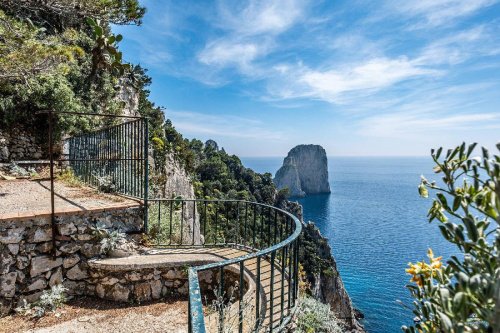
(422,271)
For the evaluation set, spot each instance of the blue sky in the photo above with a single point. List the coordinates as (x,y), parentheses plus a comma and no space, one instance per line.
(361,78)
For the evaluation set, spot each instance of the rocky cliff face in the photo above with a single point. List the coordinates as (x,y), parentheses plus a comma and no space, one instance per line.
(304,171)
(171,180)
(326,283)
(322,276)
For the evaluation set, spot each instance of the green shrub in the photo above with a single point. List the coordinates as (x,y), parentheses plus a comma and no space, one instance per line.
(315,317)
(50,300)
(463,295)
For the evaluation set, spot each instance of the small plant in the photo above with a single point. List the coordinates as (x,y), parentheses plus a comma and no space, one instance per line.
(50,300)
(69,178)
(105,184)
(224,313)
(315,317)
(16,170)
(108,240)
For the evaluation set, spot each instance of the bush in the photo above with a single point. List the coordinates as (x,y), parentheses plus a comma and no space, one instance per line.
(464,295)
(50,300)
(315,317)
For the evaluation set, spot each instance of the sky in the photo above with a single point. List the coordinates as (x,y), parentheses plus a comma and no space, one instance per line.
(360,78)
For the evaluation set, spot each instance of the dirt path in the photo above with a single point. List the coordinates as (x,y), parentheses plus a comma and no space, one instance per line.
(96,316)
(24,196)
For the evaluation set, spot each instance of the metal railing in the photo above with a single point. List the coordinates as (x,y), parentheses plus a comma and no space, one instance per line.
(114,158)
(267,238)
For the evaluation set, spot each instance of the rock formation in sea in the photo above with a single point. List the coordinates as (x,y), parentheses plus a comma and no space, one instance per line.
(304,171)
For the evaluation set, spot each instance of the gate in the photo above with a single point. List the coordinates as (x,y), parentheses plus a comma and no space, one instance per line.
(113,159)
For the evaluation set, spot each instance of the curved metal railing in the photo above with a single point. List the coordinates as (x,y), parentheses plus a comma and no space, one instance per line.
(266,238)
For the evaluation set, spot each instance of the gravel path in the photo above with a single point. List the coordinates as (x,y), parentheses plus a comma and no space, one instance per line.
(91,315)
(34,196)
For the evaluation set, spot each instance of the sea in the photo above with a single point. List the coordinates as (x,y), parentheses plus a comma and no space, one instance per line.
(376,223)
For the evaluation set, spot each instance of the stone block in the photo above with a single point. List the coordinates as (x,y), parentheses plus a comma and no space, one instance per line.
(12,236)
(142,292)
(38,284)
(156,289)
(56,277)
(119,293)
(8,284)
(13,248)
(71,261)
(41,234)
(67,229)
(6,261)
(70,247)
(77,273)
(43,264)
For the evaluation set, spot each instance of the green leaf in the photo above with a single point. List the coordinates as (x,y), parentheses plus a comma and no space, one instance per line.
(459,301)
(446,324)
(119,38)
(471,148)
(443,200)
(456,203)
(91,22)
(471,228)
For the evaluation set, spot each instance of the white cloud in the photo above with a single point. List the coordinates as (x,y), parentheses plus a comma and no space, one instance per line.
(224,52)
(216,126)
(260,16)
(345,84)
(432,13)
(418,124)
(457,48)
(250,32)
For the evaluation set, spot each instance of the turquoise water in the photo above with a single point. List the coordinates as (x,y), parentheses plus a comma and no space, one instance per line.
(376,223)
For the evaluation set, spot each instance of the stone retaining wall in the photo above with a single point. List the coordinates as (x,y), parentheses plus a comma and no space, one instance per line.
(18,144)
(27,266)
(129,285)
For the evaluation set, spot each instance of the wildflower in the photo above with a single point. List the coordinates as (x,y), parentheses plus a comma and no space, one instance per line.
(422,271)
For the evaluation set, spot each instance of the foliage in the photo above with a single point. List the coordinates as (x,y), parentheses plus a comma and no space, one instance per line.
(464,295)
(57,15)
(315,317)
(51,58)
(218,175)
(314,253)
(105,54)
(50,300)
(109,240)
(69,178)
(27,50)
(106,183)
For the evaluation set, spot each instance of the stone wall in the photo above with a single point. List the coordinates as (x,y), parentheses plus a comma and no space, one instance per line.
(18,144)
(27,266)
(129,284)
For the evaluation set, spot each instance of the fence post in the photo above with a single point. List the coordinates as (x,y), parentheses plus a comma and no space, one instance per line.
(146,173)
(52,200)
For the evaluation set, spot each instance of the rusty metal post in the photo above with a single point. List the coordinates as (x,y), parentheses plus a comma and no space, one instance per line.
(52,201)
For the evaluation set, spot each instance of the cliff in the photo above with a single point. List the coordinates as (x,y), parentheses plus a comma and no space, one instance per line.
(321,274)
(304,171)
(326,283)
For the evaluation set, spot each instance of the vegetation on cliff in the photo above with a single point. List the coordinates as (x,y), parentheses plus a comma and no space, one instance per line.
(53,57)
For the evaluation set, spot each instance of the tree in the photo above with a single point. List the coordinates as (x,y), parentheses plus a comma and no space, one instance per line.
(26,50)
(464,294)
(58,15)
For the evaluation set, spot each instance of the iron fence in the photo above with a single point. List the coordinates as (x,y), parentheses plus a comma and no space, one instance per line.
(112,159)
(267,240)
